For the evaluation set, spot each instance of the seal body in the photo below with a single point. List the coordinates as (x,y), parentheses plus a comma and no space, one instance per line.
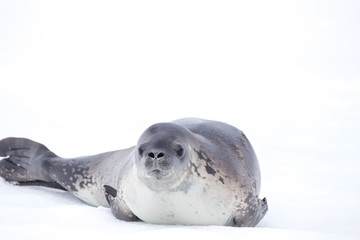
(189,171)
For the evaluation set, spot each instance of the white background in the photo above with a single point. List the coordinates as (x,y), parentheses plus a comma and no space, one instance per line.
(85,77)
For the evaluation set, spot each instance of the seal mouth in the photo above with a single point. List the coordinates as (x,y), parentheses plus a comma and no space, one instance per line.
(157,173)
(160,180)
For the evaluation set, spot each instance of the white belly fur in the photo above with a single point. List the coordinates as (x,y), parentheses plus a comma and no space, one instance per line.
(204,203)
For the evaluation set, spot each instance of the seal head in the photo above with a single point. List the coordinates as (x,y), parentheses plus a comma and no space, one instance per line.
(163,156)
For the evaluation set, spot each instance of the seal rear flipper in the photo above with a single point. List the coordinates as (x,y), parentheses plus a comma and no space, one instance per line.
(24,160)
(118,206)
(42,184)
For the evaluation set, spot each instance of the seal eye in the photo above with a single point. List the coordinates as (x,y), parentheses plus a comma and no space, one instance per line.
(179,151)
(141,150)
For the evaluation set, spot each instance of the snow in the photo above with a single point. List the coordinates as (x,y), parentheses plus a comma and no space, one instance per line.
(85,77)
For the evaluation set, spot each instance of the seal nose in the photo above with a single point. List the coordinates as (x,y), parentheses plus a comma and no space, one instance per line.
(157,160)
(156,155)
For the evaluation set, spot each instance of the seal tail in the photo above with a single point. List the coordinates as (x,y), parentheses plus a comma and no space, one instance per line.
(21,162)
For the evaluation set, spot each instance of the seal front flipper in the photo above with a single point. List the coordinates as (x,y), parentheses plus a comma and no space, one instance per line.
(118,206)
(253,214)
(23,162)
(110,194)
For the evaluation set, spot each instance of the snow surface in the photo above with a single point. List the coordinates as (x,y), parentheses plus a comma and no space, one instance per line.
(85,77)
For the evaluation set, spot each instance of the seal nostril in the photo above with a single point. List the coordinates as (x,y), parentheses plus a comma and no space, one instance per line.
(160,155)
(152,155)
